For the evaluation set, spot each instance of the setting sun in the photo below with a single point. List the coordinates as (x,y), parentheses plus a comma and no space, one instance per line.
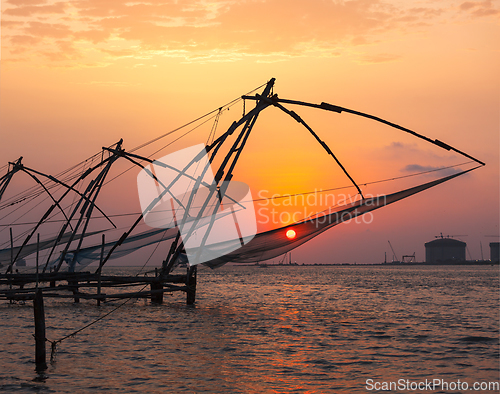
(291,234)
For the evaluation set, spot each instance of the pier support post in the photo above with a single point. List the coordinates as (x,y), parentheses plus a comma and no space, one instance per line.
(99,289)
(40,354)
(75,290)
(158,297)
(100,270)
(52,282)
(191,285)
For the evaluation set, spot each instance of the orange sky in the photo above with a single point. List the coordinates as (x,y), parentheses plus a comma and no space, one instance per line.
(77,75)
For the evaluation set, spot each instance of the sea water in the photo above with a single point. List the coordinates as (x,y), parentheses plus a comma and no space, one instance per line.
(282,329)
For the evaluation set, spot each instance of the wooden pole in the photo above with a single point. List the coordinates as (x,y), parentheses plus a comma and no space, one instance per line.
(100,270)
(157,298)
(11,249)
(11,259)
(191,285)
(75,291)
(40,354)
(37,253)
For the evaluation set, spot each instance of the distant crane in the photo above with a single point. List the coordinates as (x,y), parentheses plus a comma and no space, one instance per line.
(394,257)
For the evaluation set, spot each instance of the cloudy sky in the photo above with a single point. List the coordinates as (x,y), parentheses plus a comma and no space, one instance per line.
(77,75)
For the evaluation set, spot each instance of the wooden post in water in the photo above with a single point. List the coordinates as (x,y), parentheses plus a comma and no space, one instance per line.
(40,354)
(11,249)
(75,290)
(52,282)
(157,298)
(11,260)
(191,285)
(100,270)
(37,253)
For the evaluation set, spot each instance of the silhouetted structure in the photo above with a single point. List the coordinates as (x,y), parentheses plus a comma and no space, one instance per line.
(443,250)
(494,250)
(74,204)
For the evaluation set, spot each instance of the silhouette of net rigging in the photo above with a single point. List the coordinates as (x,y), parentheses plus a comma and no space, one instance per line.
(268,244)
(91,254)
(5,254)
(263,246)
(273,243)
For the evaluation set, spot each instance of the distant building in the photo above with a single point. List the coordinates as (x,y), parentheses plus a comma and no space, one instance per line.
(494,251)
(444,250)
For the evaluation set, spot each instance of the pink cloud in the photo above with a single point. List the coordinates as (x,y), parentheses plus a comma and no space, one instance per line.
(479,8)
(42,29)
(65,51)
(258,27)
(11,24)
(467,5)
(23,40)
(26,2)
(94,36)
(29,10)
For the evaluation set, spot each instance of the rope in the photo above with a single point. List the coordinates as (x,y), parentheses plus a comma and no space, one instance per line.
(61,220)
(34,192)
(364,184)
(152,253)
(54,343)
(177,139)
(213,130)
(218,110)
(270,198)
(194,121)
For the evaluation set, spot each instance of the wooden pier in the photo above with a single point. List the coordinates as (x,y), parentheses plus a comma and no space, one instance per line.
(91,286)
